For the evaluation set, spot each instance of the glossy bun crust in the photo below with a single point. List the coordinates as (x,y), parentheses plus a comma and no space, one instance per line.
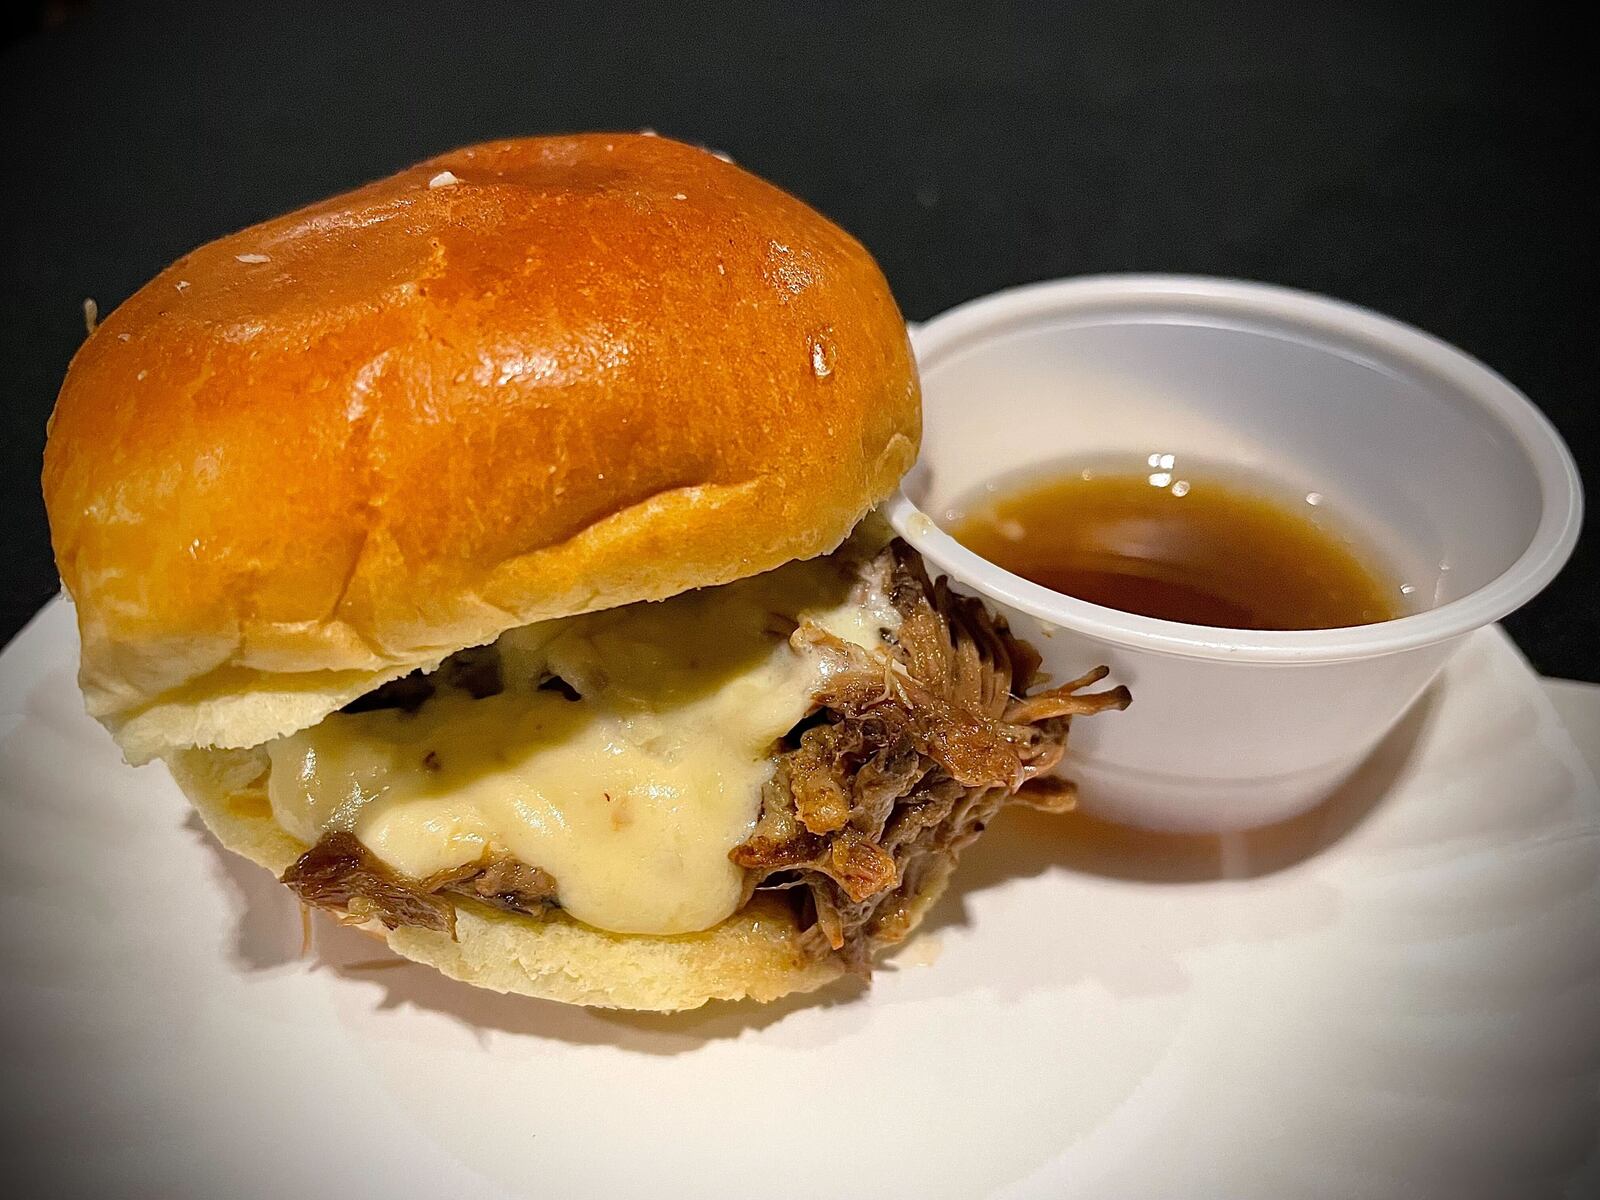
(521,380)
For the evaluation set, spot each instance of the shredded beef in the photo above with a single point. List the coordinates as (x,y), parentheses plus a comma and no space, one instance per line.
(909,753)
(475,670)
(408,693)
(918,745)
(340,873)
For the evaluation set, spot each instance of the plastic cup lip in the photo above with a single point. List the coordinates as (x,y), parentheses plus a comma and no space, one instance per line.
(1385,340)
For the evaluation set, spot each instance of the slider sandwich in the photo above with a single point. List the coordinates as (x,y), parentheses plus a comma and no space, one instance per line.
(488,553)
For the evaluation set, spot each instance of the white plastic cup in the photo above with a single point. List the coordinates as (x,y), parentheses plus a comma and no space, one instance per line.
(1450,472)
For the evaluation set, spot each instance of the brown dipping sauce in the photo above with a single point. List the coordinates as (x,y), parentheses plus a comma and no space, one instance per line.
(1186,545)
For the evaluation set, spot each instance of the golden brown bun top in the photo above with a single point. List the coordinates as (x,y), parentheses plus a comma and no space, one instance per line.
(520,380)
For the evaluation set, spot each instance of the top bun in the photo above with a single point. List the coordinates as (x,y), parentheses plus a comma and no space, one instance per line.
(522,380)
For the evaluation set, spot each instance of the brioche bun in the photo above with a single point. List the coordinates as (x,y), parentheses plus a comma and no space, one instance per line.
(522,380)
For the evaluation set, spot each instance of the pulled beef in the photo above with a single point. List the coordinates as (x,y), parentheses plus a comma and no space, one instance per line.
(917,747)
(408,693)
(475,670)
(909,753)
(341,874)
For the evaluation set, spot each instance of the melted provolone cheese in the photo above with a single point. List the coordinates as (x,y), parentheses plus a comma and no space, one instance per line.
(631,796)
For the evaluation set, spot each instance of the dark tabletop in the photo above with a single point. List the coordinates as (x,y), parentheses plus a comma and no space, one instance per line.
(1431,160)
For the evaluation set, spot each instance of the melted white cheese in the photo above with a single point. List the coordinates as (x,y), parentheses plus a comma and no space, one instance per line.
(633,795)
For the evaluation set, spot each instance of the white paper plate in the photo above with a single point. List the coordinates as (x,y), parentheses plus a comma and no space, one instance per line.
(1397,996)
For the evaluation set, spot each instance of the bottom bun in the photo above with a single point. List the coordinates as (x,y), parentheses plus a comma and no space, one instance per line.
(755,954)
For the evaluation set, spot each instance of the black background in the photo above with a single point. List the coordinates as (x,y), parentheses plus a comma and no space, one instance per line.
(1431,160)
